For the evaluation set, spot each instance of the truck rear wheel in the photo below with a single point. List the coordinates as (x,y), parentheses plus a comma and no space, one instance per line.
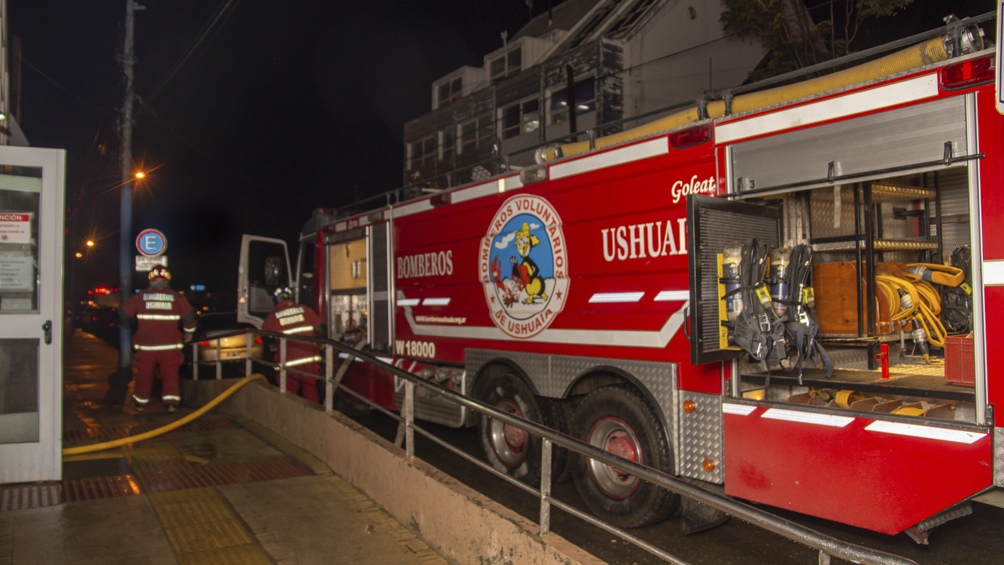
(509,449)
(617,419)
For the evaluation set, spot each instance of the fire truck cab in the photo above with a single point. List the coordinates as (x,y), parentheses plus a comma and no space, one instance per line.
(785,295)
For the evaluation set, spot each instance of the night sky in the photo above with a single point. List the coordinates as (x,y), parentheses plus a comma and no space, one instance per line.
(250,113)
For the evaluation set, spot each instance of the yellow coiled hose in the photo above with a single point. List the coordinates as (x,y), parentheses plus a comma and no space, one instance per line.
(163,429)
(923,310)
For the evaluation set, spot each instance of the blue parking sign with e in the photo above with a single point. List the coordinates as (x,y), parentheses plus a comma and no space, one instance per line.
(151,242)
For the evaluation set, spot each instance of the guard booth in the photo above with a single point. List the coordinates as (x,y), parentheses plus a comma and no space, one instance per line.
(32,182)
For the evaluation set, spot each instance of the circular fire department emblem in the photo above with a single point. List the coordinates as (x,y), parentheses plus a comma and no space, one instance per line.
(523,266)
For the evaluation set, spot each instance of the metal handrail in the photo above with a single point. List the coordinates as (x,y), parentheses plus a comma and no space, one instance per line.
(826,545)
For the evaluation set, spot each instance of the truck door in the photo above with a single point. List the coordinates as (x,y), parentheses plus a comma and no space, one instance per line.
(714,224)
(381,312)
(264,267)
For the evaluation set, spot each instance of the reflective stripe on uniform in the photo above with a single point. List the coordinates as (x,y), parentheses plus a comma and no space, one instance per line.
(299,330)
(170,398)
(167,347)
(303,361)
(158,317)
(140,400)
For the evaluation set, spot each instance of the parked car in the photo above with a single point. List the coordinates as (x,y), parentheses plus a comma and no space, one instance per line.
(100,321)
(212,330)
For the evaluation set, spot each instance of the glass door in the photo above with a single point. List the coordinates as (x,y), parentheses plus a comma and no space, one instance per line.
(31,319)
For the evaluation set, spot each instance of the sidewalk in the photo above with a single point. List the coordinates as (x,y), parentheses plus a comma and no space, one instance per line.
(213,491)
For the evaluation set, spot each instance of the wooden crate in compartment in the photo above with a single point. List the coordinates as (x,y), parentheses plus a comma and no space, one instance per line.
(837,299)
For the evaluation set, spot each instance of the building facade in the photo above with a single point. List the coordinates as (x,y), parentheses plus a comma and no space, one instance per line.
(586,65)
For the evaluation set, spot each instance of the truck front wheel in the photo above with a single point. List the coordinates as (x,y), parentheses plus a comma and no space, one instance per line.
(617,419)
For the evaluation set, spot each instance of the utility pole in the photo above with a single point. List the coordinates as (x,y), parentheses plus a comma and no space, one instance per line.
(125,212)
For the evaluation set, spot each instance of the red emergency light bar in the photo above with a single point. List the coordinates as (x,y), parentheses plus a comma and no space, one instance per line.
(690,137)
(970,72)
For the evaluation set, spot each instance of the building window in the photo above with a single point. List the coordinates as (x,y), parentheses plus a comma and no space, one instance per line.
(521,117)
(505,65)
(421,152)
(447,144)
(585,101)
(474,134)
(449,91)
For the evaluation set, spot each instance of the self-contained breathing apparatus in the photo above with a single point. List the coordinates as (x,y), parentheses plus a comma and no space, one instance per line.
(773,324)
(957,301)
(794,300)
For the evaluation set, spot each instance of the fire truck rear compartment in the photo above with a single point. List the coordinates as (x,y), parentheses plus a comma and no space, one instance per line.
(860,232)
(880,201)
(799,438)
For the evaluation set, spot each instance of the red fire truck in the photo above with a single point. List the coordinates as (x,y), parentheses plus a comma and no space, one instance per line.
(787,295)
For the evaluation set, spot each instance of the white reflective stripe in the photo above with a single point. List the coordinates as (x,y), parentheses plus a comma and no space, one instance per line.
(386,360)
(168,397)
(190,330)
(927,432)
(408,302)
(140,400)
(843,106)
(636,152)
(993,273)
(672,295)
(610,297)
(299,330)
(738,409)
(158,317)
(303,361)
(807,417)
(436,302)
(159,347)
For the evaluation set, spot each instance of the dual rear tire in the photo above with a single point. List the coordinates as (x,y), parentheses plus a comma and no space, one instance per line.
(617,419)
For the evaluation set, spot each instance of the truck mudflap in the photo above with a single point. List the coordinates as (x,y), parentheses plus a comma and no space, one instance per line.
(885,474)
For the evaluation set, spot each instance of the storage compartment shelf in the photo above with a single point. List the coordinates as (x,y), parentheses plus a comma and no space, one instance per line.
(898,384)
(878,245)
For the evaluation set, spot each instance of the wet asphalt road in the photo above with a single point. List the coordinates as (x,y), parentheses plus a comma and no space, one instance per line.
(973,540)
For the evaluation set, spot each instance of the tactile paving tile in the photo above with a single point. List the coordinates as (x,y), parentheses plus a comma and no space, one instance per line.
(19,497)
(152,479)
(202,528)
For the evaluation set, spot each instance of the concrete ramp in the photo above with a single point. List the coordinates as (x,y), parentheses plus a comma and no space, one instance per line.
(462,524)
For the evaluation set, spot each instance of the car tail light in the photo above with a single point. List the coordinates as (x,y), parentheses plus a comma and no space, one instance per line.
(690,136)
(968,73)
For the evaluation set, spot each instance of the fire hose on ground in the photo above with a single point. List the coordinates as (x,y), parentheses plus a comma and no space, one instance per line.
(163,429)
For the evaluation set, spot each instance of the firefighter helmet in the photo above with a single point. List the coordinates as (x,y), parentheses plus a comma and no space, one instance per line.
(282,293)
(159,272)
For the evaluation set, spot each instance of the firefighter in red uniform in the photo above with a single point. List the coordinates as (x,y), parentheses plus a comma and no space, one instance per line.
(294,319)
(158,340)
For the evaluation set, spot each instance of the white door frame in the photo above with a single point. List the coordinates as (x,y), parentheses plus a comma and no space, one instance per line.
(24,460)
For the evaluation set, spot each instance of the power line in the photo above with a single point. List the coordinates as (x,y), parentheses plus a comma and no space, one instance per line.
(221,15)
(56,83)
